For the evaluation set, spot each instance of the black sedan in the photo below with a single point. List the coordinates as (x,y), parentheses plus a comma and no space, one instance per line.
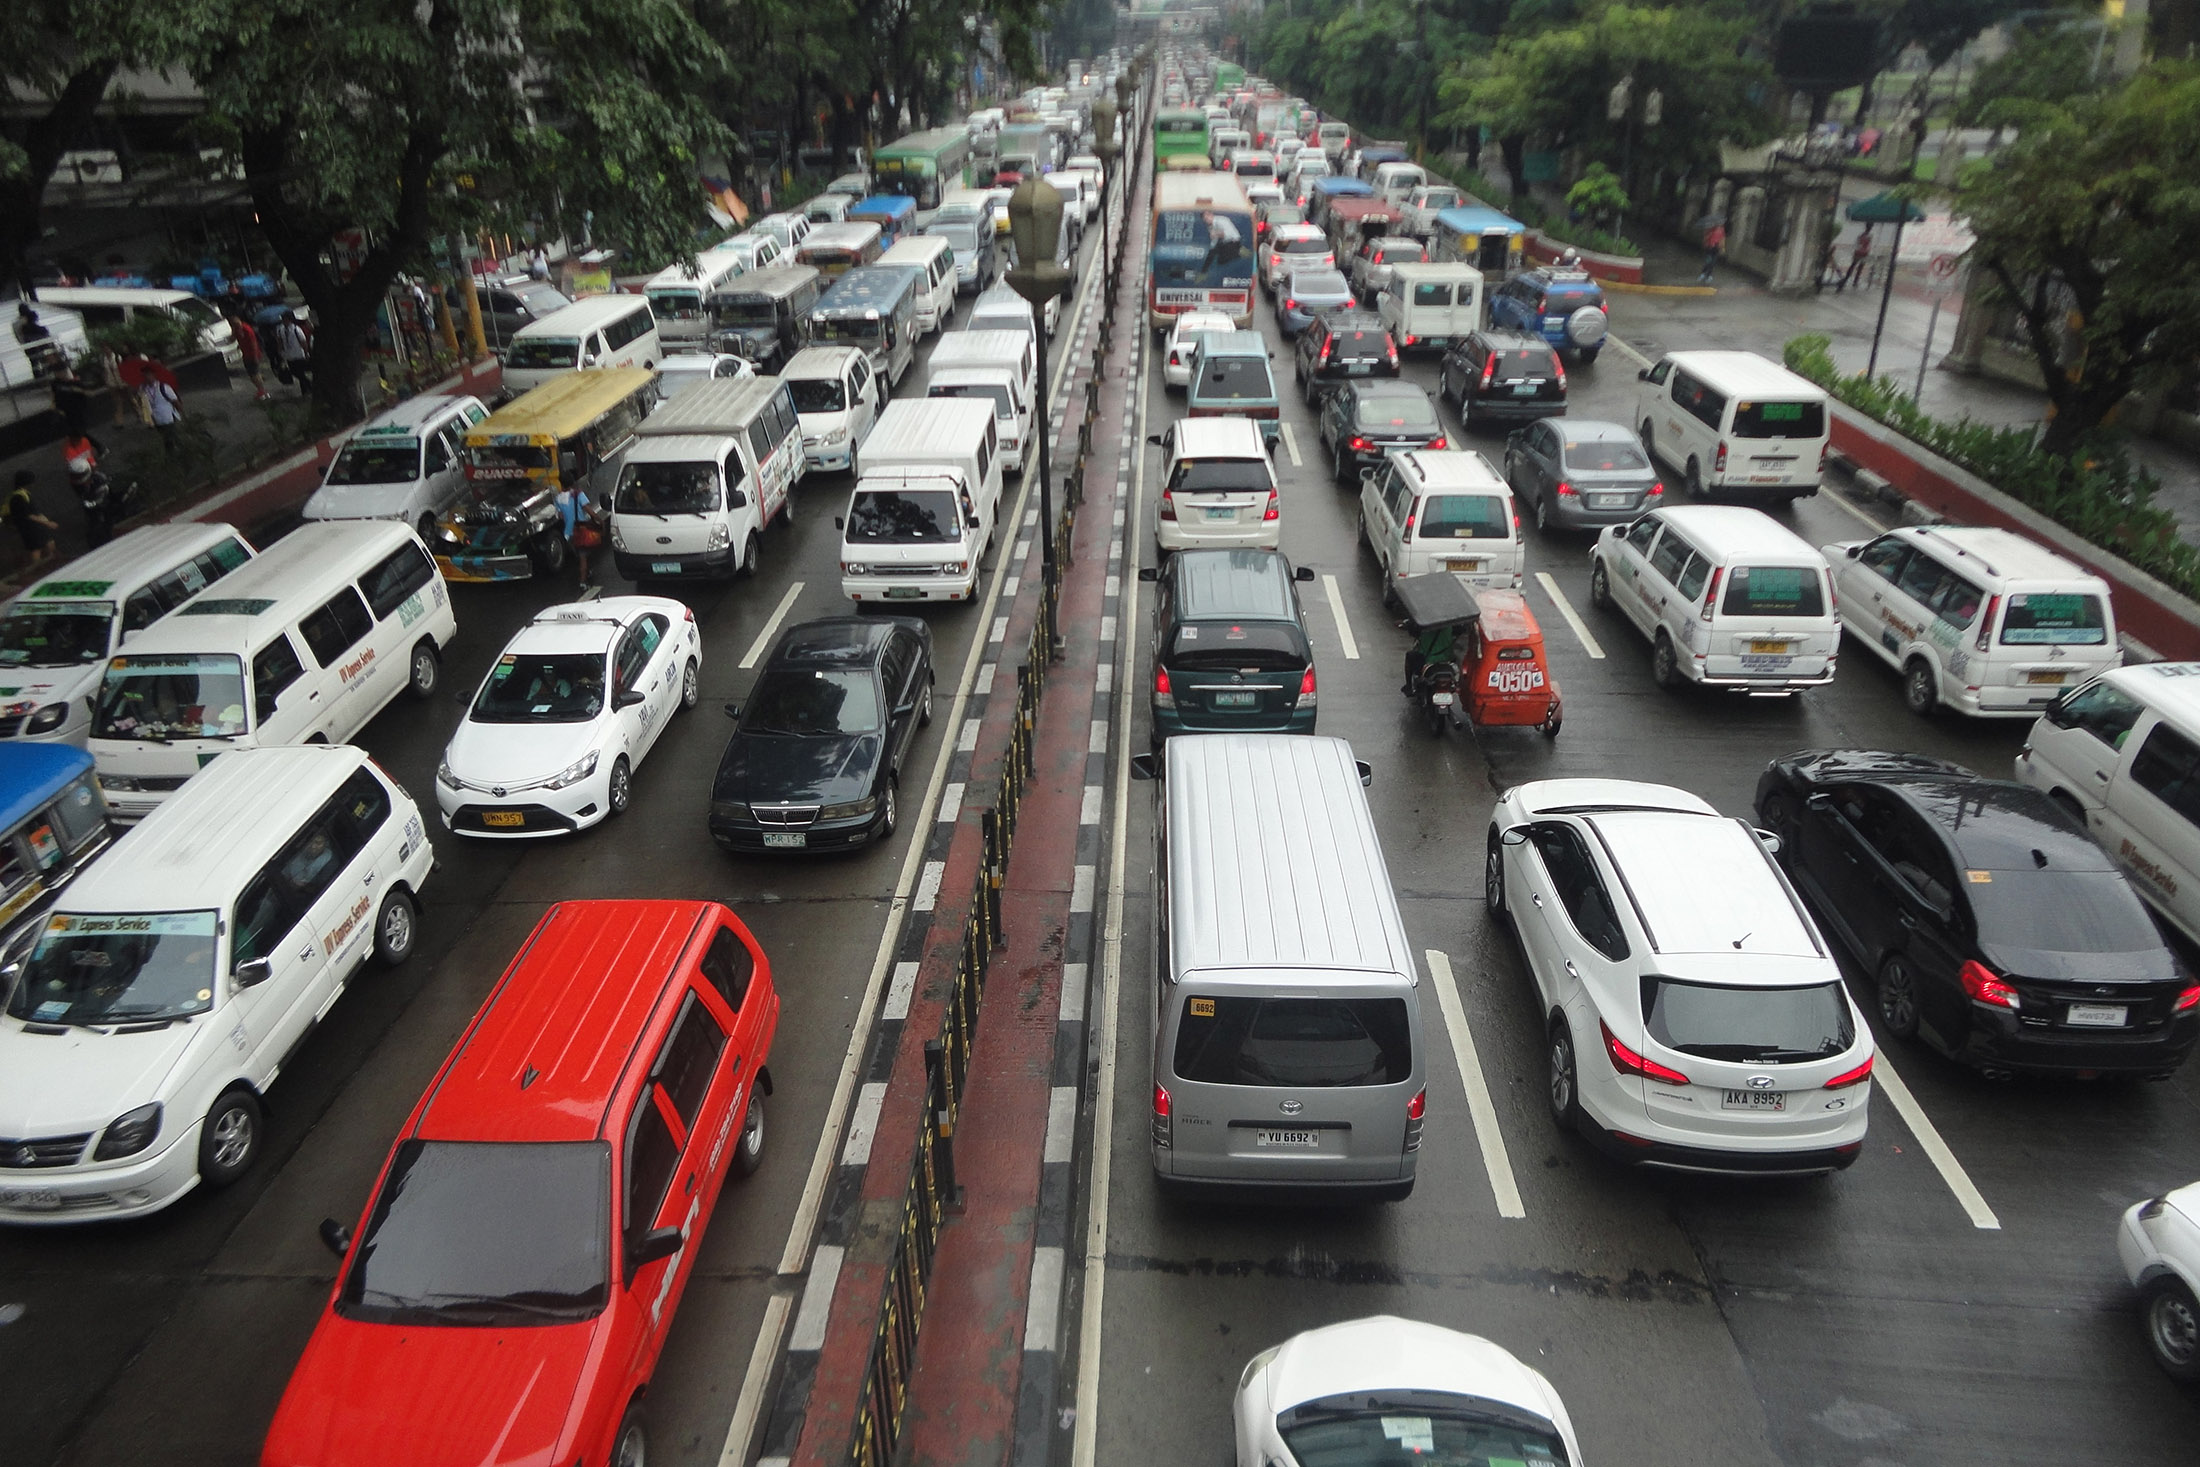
(1500,376)
(817,749)
(1363,420)
(1995,928)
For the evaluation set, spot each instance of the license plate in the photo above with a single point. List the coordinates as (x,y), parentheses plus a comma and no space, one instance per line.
(2096,1015)
(2048,679)
(1525,389)
(664,567)
(30,1199)
(1222,514)
(1766,663)
(792,840)
(1288,1140)
(1772,1100)
(1359,369)
(1610,501)
(1777,649)
(903,593)
(504,819)
(1234,700)
(1768,478)
(1463,565)
(1443,700)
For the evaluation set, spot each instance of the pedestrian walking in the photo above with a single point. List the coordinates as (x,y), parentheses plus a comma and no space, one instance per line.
(251,352)
(1714,245)
(72,398)
(118,389)
(538,264)
(35,529)
(294,349)
(165,409)
(1859,260)
(582,534)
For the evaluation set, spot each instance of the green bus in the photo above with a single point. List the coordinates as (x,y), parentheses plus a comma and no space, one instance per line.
(924,165)
(1229,76)
(1179,132)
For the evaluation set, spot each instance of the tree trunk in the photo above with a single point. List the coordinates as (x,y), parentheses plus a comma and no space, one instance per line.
(1514,146)
(23,196)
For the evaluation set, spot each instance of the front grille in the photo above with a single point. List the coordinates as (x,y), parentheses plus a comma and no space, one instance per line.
(47,1151)
(10,727)
(162,781)
(785,816)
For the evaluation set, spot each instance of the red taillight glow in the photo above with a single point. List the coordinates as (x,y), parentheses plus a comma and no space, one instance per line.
(1160,1100)
(1655,490)
(1718,460)
(1306,689)
(1565,490)
(1627,1062)
(1323,359)
(1168,504)
(1981,983)
(1417,1105)
(1360,445)
(1711,592)
(1847,1078)
(1392,348)
(1489,370)
(1439,441)
(1411,340)
(1274,511)
(1560,367)
(1163,1132)
(1986,622)
(1290,303)
(2190,998)
(1163,696)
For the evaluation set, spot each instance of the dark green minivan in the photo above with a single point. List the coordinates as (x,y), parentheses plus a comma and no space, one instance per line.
(1230,653)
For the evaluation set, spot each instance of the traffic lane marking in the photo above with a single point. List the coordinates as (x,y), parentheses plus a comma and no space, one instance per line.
(1496,1161)
(771,627)
(1344,623)
(1833,497)
(1937,1150)
(1626,350)
(1291,446)
(1573,618)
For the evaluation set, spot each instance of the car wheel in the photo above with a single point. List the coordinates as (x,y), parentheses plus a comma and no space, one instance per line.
(924,704)
(1493,877)
(691,685)
(229,1141)
(1920,687)
(550,553)
(1898,997)
(749,1154)
(1649,443)
(620,792)
(890,816)
(1665,664)
(427,671)
(749,557)
(1443,387)
(1364,540)
(1600,586)
(1565,1078)
(1695,479)
(396,927)
(631,1447)
(2173,1328)
(426,525)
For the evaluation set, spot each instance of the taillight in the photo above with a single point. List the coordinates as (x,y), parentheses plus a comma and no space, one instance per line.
(1414,1111)
(1823,449)
(1168,504)
(1411,340)
(1656,489)
(1161,1122)
(1981,983)
(1565,490)
(690,612)
(1986,623)
(2188,999)
(1361,445)
(1274,511)
(1439,441)
(1833,595)
(1306,689)
(1392,348)
(1560,366)
(1323,359)
(1847,1078)
(1290,303)
(1627,1062)
(1163,695)
(1489,371)
(1711,592)
(1718,460)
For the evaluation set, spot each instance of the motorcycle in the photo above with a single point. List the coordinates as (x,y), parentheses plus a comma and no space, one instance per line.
(1434,603)
(103,503)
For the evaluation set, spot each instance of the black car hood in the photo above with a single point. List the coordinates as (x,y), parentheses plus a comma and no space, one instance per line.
(772,769)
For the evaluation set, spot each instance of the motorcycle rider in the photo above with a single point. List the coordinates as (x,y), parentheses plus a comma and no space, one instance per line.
(102,506)
(1434,647)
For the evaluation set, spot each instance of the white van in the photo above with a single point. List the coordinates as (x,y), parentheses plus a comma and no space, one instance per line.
(787,230)
(1395,182)
(679,295)
(1728,597)
(117,305)
(838,398)
(175,978)
(1001,309)
(405,465)
(301,646)
(1305,168)
(56,636)
(933,259)
(999,366)
(708,472)
(600,331)
(1432,509)
(1288,1048)
(1980,620)
(965,220)
(827,208)
(922,514)
(2122,752)
(1732,421)
(1417,215)
(1428,307)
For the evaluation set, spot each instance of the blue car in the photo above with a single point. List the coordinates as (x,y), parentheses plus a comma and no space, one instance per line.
(1564,307)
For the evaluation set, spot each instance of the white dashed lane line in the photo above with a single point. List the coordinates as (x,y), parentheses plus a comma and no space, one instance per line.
(1921,1126)
(764,637)
(1344,624)
(1291,446)
(1573,617)
(1495,1159)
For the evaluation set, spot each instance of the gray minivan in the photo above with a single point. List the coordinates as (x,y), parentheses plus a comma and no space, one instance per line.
(1288,1045)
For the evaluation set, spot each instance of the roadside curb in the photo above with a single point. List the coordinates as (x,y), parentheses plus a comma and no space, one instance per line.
(1629,287)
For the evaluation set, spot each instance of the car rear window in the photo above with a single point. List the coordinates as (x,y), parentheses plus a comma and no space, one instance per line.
(1311,1043)
(1774,590)
(1318,282)
(1350,343)
(1395,411)
(1216,475)
(1604,455)
(1269,646)
(2061,618)
(1518,364)
(1236,379)
(1779,420)
(1760,1025)
(1306,245)
(1465,517)
(1398,249)
(1432,293)
(2059,911)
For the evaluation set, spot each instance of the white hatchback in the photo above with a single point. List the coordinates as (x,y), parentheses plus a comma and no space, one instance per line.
(568,711)
(1176,367)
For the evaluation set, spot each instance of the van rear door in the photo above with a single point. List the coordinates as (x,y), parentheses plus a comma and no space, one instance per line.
(1776,443)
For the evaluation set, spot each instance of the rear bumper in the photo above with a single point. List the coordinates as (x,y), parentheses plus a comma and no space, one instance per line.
(1509,410)
(1263,535)
(1669,1156)
(1168,722)
(1999,1040)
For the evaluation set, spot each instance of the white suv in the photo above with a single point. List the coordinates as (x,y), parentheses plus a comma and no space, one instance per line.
(1694,1016)
(1218,488)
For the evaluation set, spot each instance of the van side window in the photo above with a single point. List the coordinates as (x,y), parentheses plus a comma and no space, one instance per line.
(1923,580)
(1884,556)
(1658,373)
(404,571)
(2164,767)
(652,1156)
(78,813)
(728,966)
(1670,556)
(1699,400)
(690,1057)
(2103,710)
(341,621)
(363,805)
(1640,533)
(1574,878)
(142,609)
(1690,581)
(760,437)
(266,911)
(985,451)
(274,668)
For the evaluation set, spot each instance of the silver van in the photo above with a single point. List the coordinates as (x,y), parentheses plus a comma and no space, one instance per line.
(1288,1047)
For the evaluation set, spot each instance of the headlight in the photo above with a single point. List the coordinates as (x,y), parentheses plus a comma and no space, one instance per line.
(837,435)
(48,718)
(618,536)
(573,773)
(854,568)
(955,568)
(721,535)
(852,810)
(730,810)
(446,778)
(130,1133)
(127,783)
(1256,1365)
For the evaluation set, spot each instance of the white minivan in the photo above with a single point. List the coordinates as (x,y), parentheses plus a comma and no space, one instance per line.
(933,259)
(1730,422)
(837,398)
(599,331)
(57,635)
(302,645)
(176,978)
(998,366)
(1976,619)
(922,513)
(116,305)
(406,465)
(1433,509)
(1218,489)
(1728,597)
(1428,307)
(708,472)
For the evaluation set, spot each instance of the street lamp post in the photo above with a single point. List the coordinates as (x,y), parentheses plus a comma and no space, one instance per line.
(1103,126)
(1035,229)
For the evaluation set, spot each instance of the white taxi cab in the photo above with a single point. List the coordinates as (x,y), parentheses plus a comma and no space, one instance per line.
(573,704)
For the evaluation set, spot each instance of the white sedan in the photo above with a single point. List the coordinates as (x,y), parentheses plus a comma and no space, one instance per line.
(2159,1242)
(1376,1390)
(566,714)
(1176,367)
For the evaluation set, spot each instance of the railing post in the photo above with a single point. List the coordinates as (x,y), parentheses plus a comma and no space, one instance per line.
(943,1127)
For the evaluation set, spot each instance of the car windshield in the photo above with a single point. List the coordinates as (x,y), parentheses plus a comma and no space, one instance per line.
(1240,646)
(539,687)
(110,969)
(1767,1025)
(178,695)
(1780,420)
(961,235)
(1774,590)
(544,353)
(743,311)
(1393,250)
(501,459)
(493,1235)
(1421,1428)
(1305,245)
(991,392)
(384,461)
(904,517)
(807,700)
(1310,1042)
(818,394)
(1605,455)
(56,636)
(1396,410)
(676,305)
(1318,282)
(2057,618)
(1466,517)
(668,488)
(2059,911)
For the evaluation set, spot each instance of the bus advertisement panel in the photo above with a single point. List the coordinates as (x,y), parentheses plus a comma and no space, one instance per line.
(1201,252)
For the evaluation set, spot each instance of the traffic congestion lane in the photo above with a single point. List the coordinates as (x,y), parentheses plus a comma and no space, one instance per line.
(1845,1298)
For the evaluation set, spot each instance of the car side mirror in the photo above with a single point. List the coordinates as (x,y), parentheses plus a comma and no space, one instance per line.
(736,499)
(1367,478)
(1854,551)
(1769,840)
(2057,713)
(627,698)
(335,1236)
(8,975)
(839,523)
(1516,835)
(1155,440)
(1301,573)
(733,710)
(1145,766)
(1367,772)
(253,971)
(657,1243)
(1149,573)
(1642,374)
(1821,802)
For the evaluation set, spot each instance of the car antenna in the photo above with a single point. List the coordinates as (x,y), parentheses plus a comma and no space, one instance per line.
(1742,939)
